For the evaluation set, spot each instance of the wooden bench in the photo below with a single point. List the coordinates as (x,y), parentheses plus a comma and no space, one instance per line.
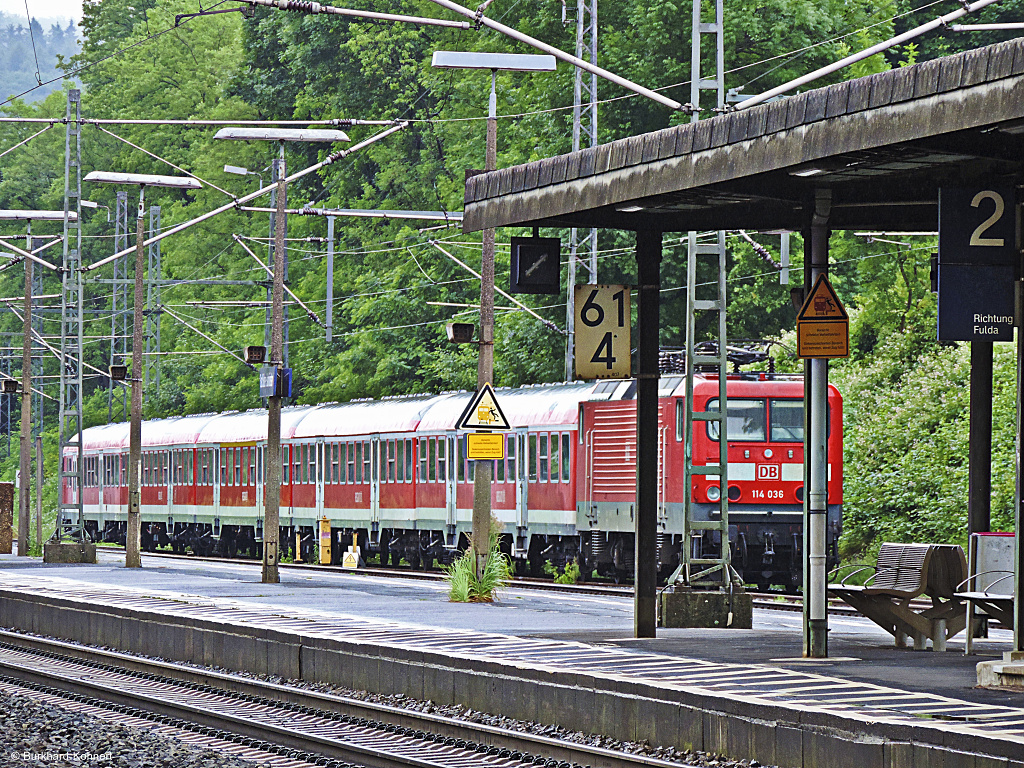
(903,573)
(990,585)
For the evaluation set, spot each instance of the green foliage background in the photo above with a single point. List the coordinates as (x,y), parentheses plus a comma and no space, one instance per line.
(905,394)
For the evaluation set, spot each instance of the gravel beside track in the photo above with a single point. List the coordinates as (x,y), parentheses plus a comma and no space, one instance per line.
(36,732)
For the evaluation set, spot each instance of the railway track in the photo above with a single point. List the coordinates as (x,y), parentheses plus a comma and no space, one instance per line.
(769,600)
(292,727)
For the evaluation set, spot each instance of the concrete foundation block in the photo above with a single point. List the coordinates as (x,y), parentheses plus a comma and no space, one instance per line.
(1007,672)
(69,552)
(686,608)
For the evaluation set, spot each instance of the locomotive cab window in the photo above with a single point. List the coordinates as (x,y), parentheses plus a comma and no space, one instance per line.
(745,420)
(787,420)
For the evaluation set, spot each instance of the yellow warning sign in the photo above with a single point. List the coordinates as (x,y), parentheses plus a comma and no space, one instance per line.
(484,412)
(822,303)
(822,325)
(485,446)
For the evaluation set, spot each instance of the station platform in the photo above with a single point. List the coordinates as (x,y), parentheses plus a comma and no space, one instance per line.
(567,659)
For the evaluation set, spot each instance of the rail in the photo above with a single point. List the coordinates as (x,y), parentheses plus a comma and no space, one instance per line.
(316,723)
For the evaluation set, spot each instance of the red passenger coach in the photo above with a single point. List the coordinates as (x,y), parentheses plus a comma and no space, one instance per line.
(395,474)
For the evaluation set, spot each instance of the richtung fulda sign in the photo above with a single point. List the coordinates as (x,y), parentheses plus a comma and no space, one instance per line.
(977,263)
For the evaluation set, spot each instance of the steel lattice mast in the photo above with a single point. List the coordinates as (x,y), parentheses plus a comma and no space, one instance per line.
(582,244)
(119,311)
(70,468)
(153,299)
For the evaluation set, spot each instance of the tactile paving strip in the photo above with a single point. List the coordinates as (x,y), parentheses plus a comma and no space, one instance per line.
(751,682)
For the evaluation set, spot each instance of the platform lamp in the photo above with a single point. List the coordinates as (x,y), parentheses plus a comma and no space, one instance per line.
(133,534)
(272,461)
(25,452)
(507,62)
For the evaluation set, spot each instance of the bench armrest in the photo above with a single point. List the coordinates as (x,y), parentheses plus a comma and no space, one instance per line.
(858,566)
(1009,575)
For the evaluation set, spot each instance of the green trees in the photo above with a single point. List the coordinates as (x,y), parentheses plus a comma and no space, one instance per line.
(393,287)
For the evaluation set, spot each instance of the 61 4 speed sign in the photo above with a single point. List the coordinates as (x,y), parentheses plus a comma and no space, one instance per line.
(602,332)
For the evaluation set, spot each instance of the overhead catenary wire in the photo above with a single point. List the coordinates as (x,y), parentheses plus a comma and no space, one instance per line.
(210,339)
(332,158)
(164,160)
(508,296)
(312,315)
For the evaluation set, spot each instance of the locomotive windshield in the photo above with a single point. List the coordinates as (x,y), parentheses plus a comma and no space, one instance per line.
(745,420)
(750,421)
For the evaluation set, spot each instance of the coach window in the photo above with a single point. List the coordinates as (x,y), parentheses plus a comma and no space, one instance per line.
(351,462)
(543,458)
(499,471)
(745,420)
(285,464)
(238,466)
(367,459)
(223,466)
(252,465)
(442,455)
(533,457)
(555,463)
(359,462)
(431,458)
(565,458)
(335,474)
(423,456)
(392,461)
(410,461)
(510,452)
(462,459)
(316,470)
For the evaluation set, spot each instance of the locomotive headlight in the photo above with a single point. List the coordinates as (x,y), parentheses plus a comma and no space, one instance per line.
(714,492)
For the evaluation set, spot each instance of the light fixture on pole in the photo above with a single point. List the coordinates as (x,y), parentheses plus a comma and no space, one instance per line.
(25,448)
(133,533)
(272,461)
(92,204)
(240,171)
(509,62)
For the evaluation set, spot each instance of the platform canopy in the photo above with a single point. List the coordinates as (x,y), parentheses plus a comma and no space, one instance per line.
(884,144)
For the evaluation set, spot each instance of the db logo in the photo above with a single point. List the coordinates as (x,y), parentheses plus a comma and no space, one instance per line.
(769,471)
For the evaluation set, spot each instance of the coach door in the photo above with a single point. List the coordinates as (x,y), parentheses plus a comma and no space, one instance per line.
(320,457)
(101,477)
(375,474)
(169,477)
(446,456)
(216,480)
(261,503)
(522,489)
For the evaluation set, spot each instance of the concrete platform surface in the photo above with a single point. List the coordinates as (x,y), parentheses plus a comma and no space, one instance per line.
(867,688)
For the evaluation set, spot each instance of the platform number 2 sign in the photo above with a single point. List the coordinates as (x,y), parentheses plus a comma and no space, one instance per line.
(977,226)
(602,338)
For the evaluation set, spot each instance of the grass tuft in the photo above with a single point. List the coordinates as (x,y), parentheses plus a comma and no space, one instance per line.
(463,585)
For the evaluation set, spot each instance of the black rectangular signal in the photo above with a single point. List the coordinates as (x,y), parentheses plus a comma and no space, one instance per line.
(536,265)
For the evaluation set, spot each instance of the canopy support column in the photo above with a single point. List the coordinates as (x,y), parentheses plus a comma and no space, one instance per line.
(648,258)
